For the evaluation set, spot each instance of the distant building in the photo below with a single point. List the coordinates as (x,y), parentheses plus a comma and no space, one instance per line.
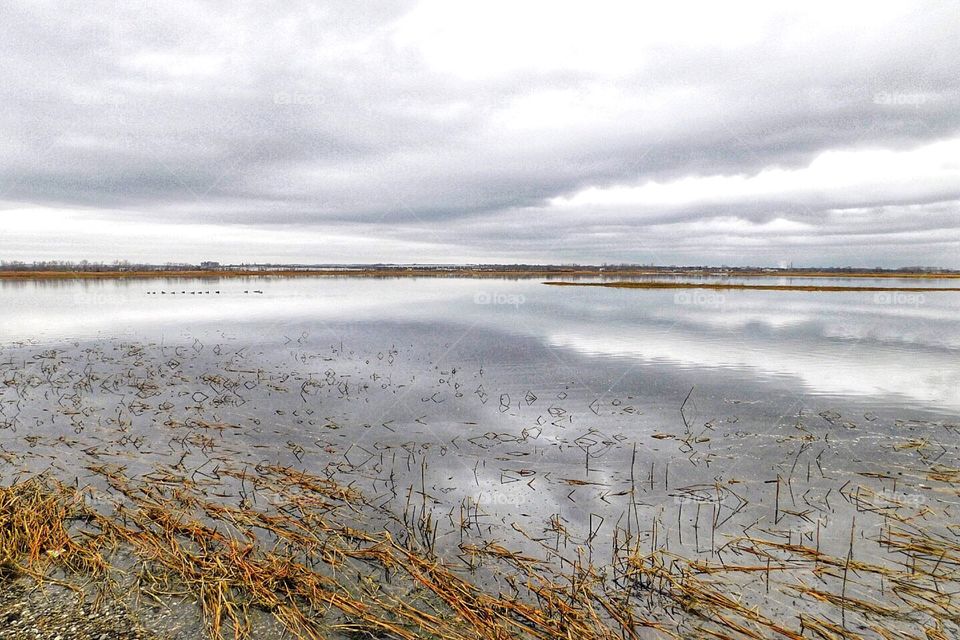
(209,264)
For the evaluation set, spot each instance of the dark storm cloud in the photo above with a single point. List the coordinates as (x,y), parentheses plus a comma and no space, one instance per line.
(334,119)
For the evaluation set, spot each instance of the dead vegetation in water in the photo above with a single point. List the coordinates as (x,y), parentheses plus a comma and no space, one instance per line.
(315,555)
(321,559)
(301,559)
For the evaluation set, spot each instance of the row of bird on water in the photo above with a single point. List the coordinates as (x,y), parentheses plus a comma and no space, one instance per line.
(194,293)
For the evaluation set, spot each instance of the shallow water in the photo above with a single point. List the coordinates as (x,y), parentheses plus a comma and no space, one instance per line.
(889,349)
(530,402)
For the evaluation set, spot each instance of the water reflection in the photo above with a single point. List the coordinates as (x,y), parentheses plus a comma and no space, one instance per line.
(897,351)
(551,417)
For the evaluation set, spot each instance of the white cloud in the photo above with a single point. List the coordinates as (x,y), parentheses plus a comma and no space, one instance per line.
(929,171)
(739,132)
(606,38)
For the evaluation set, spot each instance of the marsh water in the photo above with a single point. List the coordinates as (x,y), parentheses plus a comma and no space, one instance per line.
(889,350)
(531,405)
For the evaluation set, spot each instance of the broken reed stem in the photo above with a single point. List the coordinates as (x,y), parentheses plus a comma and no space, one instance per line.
(320,557)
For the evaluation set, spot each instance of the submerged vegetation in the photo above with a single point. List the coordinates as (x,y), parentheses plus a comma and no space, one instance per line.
(253,496)
(321,559)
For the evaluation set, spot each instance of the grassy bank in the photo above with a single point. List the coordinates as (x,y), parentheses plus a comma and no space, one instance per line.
(657,284)
(458,272)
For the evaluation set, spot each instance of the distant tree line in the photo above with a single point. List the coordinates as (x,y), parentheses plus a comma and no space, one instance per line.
(86,266)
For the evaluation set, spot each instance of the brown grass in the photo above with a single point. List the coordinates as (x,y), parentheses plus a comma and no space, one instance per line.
(312,555)
(461,272)
(302,563)
(658,284)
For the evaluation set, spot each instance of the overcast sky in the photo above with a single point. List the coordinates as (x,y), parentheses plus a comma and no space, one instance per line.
(320,132)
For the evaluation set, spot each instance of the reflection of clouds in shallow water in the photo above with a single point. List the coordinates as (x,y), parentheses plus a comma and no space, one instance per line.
(835,343)
(393,424)
(927,377)
(83,309)
(855,317)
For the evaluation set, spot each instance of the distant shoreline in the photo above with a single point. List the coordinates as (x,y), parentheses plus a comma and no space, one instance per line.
(493,271)
(737,285)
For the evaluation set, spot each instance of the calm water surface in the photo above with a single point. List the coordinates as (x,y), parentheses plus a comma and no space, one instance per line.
(887,350)
(538,404)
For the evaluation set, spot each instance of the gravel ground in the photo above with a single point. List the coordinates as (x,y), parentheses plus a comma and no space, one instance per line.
(53,613)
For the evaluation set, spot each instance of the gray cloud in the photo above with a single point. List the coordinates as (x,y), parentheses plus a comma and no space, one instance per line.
(328,121)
